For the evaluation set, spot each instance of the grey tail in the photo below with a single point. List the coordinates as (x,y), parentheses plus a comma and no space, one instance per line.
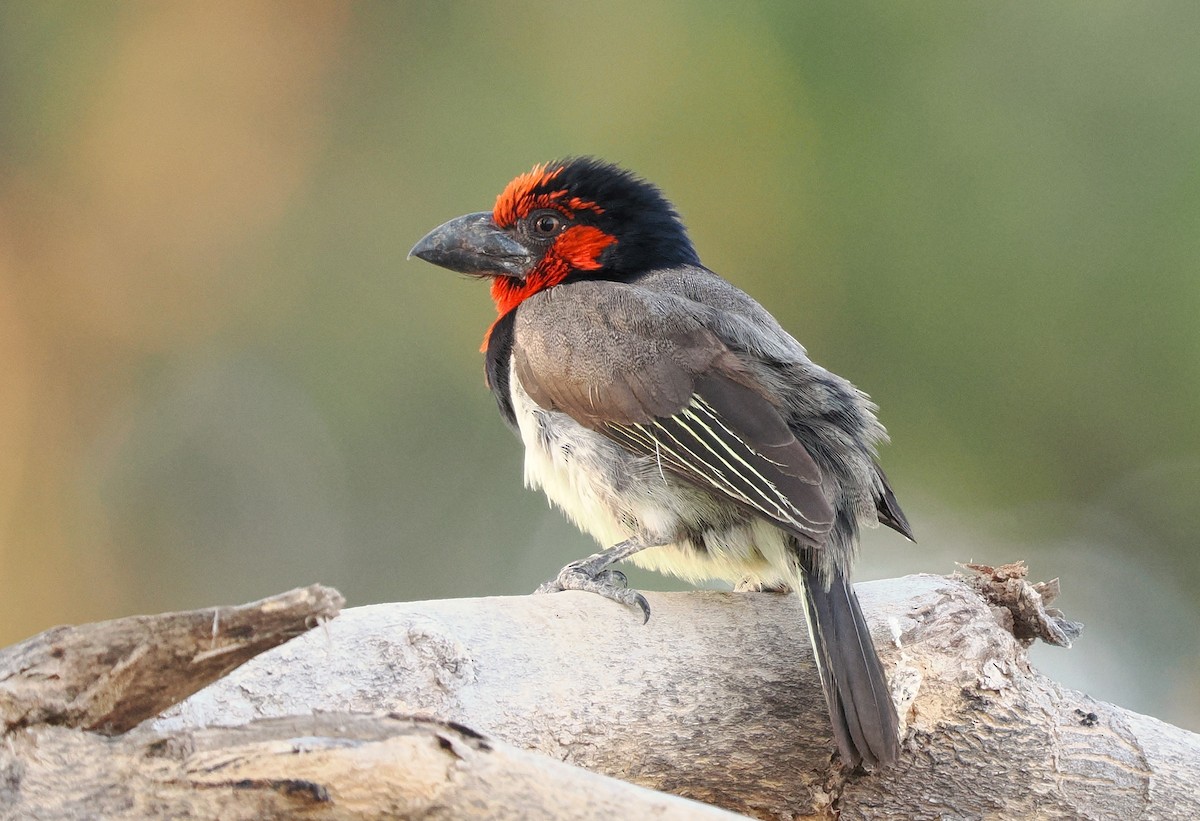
(856,690)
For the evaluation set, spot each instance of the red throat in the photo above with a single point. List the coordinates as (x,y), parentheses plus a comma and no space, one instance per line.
(576,249)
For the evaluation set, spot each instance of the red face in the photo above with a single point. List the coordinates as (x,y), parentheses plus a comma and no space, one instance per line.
(531,209)
(574,217)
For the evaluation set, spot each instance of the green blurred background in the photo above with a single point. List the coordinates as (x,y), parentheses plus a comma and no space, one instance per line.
(219,377)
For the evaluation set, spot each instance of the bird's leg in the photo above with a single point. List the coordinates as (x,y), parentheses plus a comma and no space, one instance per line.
(594,575)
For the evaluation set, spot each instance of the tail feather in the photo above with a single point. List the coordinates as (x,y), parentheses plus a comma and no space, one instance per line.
(856,690)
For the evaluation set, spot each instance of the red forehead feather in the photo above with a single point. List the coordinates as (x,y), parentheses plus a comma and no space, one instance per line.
(526,194)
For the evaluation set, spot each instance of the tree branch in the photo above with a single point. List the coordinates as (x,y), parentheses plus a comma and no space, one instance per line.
(715,699)
(326,768)
(112,675)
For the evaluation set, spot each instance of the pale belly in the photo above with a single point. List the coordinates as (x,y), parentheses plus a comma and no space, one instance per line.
(614,496)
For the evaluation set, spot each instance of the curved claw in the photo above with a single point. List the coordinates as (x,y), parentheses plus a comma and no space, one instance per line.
(611,584)
(641,602)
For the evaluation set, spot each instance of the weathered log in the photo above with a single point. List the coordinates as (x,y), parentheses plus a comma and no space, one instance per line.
(112,675)
(326,768)
(716,699)
(58,686)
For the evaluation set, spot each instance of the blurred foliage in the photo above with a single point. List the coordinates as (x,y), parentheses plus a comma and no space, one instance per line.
(219,377)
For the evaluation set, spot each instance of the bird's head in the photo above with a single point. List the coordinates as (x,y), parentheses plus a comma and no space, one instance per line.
(573,218)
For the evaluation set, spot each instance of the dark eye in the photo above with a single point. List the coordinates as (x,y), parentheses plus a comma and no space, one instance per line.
(546,224)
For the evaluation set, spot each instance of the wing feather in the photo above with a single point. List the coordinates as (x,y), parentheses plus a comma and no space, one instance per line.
(700,444)
(647,374)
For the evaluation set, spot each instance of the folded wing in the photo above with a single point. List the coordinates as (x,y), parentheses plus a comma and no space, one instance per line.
(659,384)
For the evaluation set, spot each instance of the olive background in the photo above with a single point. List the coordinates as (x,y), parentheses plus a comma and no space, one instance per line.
(220,378)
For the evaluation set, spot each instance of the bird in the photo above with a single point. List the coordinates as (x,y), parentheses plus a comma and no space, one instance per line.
(672,418)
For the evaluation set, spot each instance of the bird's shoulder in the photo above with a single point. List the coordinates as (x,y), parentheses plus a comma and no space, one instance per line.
(598,314)
(665,301)
(609,351)
(732,314)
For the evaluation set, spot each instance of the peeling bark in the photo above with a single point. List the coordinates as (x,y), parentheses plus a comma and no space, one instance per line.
(479,708)
(112,675)
(330,768)
(717,699)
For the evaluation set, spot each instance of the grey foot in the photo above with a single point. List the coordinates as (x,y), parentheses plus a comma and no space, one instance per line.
(583,575)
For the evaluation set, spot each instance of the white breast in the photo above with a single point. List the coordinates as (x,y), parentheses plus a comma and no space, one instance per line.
(580,470)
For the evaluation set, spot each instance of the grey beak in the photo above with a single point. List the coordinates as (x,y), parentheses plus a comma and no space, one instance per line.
(472,244)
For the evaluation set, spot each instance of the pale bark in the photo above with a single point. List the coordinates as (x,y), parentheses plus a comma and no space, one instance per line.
(112,675)
(70,696)
(715,699)
(329,767)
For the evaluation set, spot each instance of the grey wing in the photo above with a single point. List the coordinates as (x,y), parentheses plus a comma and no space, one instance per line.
(641,369)
(745,325)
